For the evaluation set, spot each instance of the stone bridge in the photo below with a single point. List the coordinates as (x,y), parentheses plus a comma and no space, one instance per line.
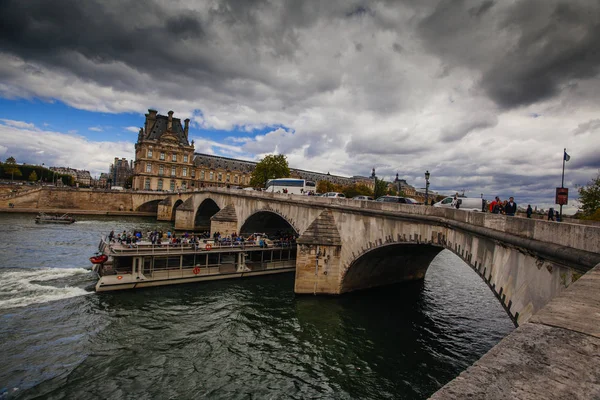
(347,245)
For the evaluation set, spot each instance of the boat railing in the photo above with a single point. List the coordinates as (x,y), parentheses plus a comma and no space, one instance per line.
(143,247)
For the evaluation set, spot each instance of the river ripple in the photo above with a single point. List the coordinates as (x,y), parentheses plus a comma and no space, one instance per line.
(241,339)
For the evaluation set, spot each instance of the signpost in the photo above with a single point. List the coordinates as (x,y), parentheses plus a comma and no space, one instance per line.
(562,193)
(562,196)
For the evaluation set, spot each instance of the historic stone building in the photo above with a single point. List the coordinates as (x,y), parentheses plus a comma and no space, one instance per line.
(80,177)
(163,154)
(120,172)
(222,171)
(165,160)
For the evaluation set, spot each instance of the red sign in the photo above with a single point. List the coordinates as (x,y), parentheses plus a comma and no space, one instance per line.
(562,196)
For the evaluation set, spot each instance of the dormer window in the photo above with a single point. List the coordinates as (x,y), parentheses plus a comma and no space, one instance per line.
(185,158)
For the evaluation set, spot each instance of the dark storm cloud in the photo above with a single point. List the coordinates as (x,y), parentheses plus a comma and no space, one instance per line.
(525,51)
(168,44)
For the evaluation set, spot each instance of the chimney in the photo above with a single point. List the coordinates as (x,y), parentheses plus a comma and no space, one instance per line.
(186,128)
(170,123)
(150,120)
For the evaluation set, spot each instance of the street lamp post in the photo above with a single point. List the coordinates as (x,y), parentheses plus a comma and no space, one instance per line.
(427,174)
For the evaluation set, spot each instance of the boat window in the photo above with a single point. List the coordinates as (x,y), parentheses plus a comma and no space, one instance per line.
(447,200)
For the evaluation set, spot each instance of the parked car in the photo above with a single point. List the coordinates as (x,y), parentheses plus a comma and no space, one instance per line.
(464,203)
(334,194)
(397,199)
(362,198)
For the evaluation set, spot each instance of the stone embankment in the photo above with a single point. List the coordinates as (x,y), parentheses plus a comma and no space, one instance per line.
(556,355)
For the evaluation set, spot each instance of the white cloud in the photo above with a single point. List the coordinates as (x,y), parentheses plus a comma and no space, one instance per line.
(35,146)
(132,129)
(18,124)
(95,129)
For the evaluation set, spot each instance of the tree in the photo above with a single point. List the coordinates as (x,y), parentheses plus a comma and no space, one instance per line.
(270,167)
(380,188)
(10,167)
(325,186)
(589,196)
(356,190)
(33,176)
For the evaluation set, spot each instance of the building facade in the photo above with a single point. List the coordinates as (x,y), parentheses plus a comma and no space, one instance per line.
(80,177)
(165,160)
(163,155)
(120,172)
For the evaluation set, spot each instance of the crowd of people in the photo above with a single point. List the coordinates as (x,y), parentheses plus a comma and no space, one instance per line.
(506,207)
(509,207)
(159,238)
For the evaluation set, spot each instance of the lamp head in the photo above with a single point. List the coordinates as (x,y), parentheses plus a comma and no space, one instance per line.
(427,174)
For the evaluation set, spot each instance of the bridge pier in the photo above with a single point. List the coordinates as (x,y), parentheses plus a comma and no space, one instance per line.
(318,257)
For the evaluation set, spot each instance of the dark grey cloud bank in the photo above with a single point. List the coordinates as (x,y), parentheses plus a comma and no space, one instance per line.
(449,86)
(546,44)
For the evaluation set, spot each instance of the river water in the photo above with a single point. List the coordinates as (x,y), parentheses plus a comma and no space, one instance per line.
(244,339)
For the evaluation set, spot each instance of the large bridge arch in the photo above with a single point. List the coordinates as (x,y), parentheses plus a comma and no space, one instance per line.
(150,206)
(387,264)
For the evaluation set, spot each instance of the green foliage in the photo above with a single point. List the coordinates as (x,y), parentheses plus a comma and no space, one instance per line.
(33,176)
(589,196)
(270,167)
(326,186)
(356,190)
(11,169)
(380,188)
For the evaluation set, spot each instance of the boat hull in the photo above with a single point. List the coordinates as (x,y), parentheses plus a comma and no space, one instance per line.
(111,283)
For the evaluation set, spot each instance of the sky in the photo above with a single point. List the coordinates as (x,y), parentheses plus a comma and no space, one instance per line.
(484,95)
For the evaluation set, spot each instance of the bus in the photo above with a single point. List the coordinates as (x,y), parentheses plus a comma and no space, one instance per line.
(291,185)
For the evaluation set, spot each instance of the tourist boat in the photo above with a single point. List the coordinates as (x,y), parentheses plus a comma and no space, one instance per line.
(43,218)
(143,264)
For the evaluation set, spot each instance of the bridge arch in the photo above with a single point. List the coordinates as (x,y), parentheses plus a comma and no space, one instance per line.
(387,264)
(267,221)
(205,211)
(177,204)
(150,206)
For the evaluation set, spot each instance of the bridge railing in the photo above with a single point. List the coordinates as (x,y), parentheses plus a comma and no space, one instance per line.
(578,236)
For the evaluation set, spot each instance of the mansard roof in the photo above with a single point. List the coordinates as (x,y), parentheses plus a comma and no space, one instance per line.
(231,164)
(160,127)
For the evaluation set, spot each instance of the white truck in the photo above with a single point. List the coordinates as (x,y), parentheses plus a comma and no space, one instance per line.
(464,203)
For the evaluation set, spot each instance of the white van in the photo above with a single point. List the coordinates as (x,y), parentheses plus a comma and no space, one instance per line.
(464,203)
